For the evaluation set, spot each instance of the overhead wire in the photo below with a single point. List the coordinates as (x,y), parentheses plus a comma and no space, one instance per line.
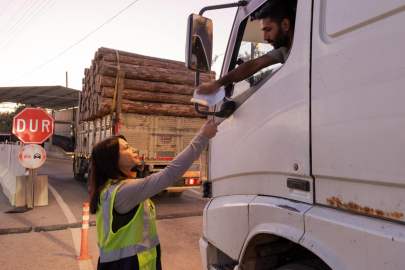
(13,16)
(13,38)
(5,36)
(6,7)
(43,12)
(73,44)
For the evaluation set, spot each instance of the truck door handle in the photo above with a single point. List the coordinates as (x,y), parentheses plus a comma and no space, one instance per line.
(298,184)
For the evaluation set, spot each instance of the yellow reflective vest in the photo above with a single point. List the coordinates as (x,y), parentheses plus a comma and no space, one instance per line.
(137,238)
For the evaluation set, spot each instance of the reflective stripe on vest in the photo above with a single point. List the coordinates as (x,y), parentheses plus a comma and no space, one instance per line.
(138,237)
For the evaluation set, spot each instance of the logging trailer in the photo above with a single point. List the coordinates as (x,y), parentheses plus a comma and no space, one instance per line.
(149,105)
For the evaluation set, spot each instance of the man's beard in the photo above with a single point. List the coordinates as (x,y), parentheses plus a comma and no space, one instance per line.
(280,40)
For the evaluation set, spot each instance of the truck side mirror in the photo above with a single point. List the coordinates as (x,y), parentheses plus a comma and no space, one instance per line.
(199,43)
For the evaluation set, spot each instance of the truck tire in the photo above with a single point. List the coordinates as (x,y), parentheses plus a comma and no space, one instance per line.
(311,264)
(79,176)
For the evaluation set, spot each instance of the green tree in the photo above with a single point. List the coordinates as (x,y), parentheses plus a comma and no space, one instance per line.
(6,122)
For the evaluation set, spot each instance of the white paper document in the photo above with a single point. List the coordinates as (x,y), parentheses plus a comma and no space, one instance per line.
(209,100)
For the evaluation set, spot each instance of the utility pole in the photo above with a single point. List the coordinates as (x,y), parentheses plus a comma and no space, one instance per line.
(66,79)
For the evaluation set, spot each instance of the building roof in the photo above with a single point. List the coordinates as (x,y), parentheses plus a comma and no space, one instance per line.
(50,97)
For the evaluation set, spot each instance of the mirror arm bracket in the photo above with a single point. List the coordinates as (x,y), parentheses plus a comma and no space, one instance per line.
(238,4)
(197,83)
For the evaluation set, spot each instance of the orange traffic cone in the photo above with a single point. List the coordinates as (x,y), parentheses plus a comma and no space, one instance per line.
(84,249)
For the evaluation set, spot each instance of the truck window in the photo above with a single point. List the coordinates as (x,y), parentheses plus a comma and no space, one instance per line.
(250,45)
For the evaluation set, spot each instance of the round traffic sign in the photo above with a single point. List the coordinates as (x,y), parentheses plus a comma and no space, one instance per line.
(32,156)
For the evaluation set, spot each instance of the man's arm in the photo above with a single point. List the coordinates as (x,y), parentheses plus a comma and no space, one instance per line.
(240,73)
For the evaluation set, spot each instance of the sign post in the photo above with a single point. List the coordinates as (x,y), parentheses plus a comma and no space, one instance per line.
(32,126)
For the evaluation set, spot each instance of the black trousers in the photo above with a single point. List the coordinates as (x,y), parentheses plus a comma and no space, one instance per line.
(130,263)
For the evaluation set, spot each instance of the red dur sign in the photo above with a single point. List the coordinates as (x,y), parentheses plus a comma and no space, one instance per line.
(33,125)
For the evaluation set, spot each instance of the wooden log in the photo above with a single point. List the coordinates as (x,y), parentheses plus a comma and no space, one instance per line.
(184,72)
(145,75)
(112,58)
(130,94)
(140,61)
(145,86)
(102,51)
(129,106)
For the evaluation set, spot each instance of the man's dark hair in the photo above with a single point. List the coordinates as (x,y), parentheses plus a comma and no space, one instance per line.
(278,10)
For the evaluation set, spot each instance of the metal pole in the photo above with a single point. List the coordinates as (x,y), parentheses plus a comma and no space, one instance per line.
(66,79)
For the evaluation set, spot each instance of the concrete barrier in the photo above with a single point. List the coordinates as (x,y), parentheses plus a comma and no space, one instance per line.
(10,168)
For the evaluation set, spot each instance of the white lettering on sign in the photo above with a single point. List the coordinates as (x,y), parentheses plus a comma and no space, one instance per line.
(45,123)
(36,125)
(21,125)
(20,121)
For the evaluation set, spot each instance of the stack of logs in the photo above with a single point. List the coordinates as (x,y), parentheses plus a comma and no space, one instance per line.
(148,85)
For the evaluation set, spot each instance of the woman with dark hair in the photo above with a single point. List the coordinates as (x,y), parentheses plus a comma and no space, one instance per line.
(125,216)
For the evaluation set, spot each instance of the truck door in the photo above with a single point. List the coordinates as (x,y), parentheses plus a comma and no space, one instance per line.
(264,147)
(358,112)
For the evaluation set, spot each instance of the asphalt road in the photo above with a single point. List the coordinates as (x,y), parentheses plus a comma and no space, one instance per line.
(179,227)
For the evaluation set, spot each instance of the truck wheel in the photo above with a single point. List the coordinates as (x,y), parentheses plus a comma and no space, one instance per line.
(311,264)
(79,176)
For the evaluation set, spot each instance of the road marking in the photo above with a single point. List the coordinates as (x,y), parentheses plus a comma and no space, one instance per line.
(76,232)
(199,193)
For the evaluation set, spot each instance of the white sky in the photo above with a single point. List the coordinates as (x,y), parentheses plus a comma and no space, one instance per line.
(149,27)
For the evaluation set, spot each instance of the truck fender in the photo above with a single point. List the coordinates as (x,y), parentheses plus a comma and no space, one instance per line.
(272,216)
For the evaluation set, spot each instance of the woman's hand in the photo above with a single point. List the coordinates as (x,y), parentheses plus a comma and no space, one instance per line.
(209,129)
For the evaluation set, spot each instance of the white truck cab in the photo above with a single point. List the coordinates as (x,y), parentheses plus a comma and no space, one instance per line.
(308,170)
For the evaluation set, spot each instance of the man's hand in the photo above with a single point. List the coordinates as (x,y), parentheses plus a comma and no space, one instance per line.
(208,88)
(209,129)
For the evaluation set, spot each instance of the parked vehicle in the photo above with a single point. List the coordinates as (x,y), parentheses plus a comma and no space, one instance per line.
(307,169)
